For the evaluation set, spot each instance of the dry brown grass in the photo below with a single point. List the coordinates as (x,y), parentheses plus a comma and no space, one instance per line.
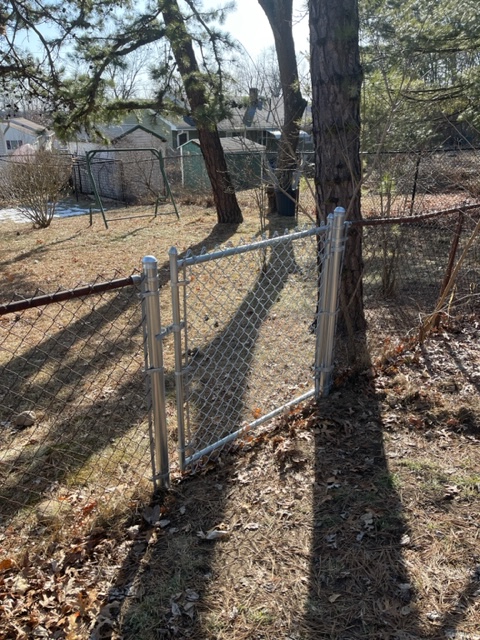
(353,519)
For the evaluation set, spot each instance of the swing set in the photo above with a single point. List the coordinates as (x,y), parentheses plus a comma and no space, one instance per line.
(141,175)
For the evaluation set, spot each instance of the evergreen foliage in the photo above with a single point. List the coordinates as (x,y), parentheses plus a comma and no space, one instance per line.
(421,60)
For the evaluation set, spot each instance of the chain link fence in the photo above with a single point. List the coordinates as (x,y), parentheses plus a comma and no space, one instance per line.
(402,183)
(408,263)
(74,426)
(412,183)
(135,177)
(75,432)
(395,183)
(187,174)
(248,347)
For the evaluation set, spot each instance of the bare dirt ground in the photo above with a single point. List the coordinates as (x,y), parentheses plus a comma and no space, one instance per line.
(352,519)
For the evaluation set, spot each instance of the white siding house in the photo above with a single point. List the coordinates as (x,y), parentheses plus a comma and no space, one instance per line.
(16,132)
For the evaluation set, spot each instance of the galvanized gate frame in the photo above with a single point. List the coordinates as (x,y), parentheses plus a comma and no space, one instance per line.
(335,237)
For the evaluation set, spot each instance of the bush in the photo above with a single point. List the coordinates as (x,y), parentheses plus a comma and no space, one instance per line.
(36,182)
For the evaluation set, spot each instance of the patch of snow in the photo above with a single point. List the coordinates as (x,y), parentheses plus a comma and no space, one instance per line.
(61,211)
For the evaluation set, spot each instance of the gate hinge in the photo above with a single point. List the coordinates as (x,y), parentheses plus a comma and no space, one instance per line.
(171,328)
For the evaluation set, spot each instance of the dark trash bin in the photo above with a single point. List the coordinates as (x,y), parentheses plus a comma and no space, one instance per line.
(286,202)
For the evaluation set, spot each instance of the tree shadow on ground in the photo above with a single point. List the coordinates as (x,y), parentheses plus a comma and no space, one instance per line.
(344,567)
(342,575)
(84,379)
(357,586)
(359,583)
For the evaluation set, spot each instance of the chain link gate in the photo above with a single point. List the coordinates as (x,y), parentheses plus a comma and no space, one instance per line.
(253,332)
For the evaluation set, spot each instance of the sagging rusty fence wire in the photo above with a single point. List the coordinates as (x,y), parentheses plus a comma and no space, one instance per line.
(409,261)
(74,425)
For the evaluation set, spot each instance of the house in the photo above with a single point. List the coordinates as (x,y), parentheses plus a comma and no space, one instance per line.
(252,127)
(16,132)
(259,120)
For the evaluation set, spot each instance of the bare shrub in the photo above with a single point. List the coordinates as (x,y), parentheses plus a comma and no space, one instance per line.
(36,182)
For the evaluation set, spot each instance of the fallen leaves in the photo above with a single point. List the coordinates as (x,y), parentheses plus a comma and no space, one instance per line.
(215,534)
(184,603)
(6,563)
(56,595)
(334,597)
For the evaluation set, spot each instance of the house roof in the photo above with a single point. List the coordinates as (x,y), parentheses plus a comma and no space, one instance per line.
(237,144)
(22,124)
(134,128)
(261,114)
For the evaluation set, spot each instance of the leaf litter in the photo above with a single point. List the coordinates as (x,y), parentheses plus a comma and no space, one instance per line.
(354,518)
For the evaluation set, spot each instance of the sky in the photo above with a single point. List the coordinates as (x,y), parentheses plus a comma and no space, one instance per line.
(249,25)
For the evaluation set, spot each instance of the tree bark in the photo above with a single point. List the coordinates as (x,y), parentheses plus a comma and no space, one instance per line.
(336,84)
(279,14)
(228,210)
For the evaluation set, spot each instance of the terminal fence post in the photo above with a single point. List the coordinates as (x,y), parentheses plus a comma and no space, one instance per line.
(328,302)
(154,369)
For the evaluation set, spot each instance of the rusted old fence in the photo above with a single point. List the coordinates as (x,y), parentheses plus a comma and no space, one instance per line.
(411,262)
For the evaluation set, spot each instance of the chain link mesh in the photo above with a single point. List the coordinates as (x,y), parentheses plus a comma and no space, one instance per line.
(401,183)
(249,348)
(406,263)
(73,410)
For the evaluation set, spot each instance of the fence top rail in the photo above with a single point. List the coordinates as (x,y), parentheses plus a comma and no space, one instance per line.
(420,152)
(68,294)
(371,222)
(190,260)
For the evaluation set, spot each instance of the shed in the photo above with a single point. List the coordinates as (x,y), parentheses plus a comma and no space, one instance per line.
(126,170)
(141,137)
(244,158)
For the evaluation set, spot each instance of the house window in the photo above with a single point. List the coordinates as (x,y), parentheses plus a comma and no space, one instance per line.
(182,138)
(13,144)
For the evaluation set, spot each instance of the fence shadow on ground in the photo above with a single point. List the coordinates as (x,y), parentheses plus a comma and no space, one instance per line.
(353,581)
(83,420)
(77,415)
(355,584)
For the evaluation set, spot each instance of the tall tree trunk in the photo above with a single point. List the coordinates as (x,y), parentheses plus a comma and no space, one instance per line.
(279,14)
(223,190)
(336,85)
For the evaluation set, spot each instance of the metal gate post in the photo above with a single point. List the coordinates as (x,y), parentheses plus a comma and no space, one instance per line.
(328,302)
(154,368)
(177,340)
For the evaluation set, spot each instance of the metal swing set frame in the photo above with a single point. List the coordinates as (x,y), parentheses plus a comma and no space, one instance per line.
(161,198)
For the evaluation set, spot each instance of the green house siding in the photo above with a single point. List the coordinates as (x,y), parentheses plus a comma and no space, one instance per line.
(244,164)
